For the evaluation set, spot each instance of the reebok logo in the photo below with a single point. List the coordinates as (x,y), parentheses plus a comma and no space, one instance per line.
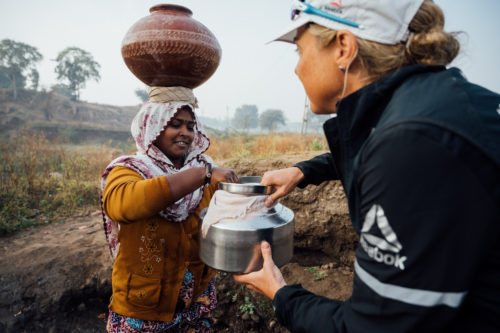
(384,250)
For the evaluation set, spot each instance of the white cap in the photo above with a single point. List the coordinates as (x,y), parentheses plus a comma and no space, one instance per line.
(383,21)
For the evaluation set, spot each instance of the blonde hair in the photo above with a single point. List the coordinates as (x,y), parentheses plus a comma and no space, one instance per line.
(428,43)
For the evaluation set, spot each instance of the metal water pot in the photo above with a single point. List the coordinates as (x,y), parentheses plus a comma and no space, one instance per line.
(234,246)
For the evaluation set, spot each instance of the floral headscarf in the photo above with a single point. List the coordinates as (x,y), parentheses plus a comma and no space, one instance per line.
(151,162)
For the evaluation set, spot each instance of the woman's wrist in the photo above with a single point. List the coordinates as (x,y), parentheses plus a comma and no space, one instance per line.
(277,288)
(207,174)
(299,175)
(273,299)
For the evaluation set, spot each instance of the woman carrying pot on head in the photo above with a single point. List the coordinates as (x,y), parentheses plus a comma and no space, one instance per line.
(151,204)
(417,148)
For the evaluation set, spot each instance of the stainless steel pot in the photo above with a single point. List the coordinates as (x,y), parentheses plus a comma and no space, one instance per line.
(234,246)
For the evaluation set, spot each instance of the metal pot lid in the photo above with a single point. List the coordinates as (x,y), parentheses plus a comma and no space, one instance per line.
(250,185)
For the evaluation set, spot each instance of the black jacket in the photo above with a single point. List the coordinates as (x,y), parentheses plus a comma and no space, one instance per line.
(418,154)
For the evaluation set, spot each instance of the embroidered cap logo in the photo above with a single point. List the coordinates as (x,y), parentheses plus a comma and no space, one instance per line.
(336,3)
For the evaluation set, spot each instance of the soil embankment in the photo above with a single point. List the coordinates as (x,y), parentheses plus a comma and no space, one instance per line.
(56,278)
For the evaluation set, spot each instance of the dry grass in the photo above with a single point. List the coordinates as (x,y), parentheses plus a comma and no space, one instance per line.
(263,146)
(42,181)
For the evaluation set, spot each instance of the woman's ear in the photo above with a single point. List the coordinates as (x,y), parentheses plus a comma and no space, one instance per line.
(346,48)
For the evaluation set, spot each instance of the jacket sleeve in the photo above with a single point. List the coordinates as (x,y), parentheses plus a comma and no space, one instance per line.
(317,170)
(430,222)
(127,197)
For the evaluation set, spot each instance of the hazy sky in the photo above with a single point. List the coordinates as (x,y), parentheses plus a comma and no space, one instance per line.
(251,71)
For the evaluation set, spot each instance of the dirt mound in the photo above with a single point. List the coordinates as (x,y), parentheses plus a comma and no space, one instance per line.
(56,278)
(323,231)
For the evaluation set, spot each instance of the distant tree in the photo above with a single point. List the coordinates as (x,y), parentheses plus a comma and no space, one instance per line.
(270,119)
(76,67)
(18,62)
(246,117)
(62,89)
(6,80)
(142,94)
(35,79)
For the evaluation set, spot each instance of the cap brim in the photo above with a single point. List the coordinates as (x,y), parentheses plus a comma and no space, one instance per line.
(290,33)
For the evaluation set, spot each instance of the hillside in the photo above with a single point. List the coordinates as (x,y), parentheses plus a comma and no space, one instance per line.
(57,114)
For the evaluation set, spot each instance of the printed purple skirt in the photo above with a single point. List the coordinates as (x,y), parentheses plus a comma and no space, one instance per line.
(197,317)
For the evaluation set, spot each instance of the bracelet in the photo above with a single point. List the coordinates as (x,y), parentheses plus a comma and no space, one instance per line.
(208,173)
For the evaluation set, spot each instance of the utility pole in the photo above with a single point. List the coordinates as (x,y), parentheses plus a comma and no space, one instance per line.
(305,117)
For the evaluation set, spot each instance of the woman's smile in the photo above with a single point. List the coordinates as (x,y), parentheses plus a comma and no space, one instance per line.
(183,143)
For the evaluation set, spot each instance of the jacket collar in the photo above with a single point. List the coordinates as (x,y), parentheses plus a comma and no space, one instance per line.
(358,113)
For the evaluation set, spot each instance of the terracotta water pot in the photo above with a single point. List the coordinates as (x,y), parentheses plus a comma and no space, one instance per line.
(170,48)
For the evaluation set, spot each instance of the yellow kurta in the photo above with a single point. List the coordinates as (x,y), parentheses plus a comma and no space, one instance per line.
(154,253)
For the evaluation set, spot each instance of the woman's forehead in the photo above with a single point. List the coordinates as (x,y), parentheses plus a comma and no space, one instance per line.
(184,115)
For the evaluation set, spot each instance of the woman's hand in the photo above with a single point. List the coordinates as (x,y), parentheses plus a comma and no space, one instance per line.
(223,175)
(284,181)
(268,280)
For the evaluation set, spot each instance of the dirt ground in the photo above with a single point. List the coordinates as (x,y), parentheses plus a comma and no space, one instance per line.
(57,277)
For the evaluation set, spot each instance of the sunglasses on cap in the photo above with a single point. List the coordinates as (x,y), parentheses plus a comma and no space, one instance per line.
(299,6)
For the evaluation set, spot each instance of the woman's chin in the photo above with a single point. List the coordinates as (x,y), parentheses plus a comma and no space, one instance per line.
(319,110)
(177,157)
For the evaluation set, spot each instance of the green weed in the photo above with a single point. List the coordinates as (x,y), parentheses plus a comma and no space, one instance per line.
(317,274)
(248,307)
(317,145)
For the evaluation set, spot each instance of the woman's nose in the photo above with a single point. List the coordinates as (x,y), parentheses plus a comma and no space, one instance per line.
(183,130)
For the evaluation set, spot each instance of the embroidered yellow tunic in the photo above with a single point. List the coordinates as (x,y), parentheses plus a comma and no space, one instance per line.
(154,253)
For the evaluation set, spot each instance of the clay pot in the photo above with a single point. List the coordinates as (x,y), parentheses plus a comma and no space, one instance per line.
(170,48)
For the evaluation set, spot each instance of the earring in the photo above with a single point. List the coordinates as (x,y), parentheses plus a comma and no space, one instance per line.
(342,69)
